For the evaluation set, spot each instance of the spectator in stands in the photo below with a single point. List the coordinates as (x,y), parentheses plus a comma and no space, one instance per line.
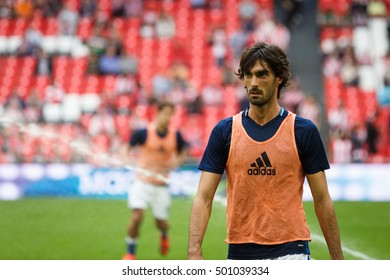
(342,149)
(44,63)
(118,8)
(24,9)
(328,44)
(271,31)
(126,84)
(138,121)
(179,74)
(268,29)
(16,94)
(134,8)
(376,8)
(11,144)
(109,62)
(53,92)
(128,63)
(165,25)
(228,77)
(31,41)
(93,64)
(327,17)
(212,94)
(162,85)
(185,95)
(13,111)
(219,45)
(114,38)
(372,133)
(87,8)
(33,109)
(237,42)
(195,106)
(349,73)
(68,19)
(33,35)
(97,43)
(25,49)
(293,96)
(198,4)
(148,24)
(359,12)
(101,17)
(338,120)
(358,138)
(102,122)
(310,109)
(282,35)
(215,4)
(331,64)
(50,8)
(248,11)
(6,9)
(107,99)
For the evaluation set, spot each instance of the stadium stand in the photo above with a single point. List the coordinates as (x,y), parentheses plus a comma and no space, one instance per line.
(354,38)
(38,57)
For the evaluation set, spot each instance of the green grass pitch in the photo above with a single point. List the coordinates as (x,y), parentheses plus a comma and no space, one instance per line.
(94,229)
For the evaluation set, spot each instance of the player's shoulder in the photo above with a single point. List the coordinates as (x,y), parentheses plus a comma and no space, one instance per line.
(304,124)
(223,126)
(222,129)
(225,123)
(138,136)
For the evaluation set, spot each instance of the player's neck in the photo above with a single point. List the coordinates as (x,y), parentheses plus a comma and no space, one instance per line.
(263,114)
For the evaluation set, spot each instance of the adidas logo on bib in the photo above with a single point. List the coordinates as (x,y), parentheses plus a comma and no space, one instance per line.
(262,166)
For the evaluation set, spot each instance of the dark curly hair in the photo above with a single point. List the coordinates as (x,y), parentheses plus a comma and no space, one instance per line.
(274,58)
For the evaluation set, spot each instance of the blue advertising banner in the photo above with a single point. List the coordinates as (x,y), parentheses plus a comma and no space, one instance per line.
(67,180)
(355,182)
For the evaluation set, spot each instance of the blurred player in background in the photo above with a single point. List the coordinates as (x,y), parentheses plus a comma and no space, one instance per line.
(267,152)
(157,149)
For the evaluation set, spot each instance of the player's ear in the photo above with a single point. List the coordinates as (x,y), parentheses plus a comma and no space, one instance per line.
(279,80)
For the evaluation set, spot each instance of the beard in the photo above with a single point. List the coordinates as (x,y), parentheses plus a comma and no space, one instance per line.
(263,97)
(260,100)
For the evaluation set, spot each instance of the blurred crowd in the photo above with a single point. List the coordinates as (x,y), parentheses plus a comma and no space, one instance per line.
(356,55)
(41,133)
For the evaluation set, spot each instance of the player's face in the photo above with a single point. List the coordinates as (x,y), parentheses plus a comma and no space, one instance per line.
(261,84)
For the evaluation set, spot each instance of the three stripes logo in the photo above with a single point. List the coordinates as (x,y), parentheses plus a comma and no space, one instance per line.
(262,166)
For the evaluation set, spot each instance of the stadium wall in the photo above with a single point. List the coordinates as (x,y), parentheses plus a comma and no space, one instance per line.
(351,182)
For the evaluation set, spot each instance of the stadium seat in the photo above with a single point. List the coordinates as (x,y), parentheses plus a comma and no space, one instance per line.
(71,108)
(89,102)
(13,44)
(65,44)
(49,44)
(84,28)
(52,113)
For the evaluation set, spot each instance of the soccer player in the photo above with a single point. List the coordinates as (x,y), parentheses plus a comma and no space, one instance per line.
(267,152)
(160,149)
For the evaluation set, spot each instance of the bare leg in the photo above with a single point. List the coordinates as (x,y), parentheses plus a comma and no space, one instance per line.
(135,223)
